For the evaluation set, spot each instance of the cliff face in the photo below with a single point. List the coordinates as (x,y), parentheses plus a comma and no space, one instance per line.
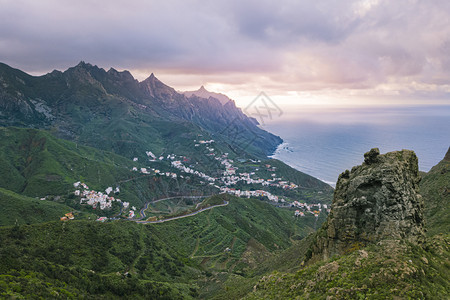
(378,200)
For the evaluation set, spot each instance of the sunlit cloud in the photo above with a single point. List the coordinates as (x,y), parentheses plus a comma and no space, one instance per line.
(342,51)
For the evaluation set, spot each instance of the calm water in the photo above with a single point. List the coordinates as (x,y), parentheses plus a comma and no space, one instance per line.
(325,143)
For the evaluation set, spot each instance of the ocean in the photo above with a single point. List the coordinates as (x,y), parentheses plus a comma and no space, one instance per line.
(325,142)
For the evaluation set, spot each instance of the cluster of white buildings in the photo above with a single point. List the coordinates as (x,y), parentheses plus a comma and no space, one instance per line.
(94,198)
(150,154)
(247,178)
(178,165)
(156,171)
(248,194)
(231,177)
(314,209)
(198,143)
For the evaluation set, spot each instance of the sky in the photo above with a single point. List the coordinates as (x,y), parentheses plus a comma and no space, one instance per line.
(302,52)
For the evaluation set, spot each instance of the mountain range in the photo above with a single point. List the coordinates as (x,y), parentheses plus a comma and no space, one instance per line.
(203,212)
(113,111)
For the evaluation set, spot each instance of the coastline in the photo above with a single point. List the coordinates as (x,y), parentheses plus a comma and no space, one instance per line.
(285,147)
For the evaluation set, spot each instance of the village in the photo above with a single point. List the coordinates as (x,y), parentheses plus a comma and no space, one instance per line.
(100,199)
(224,183)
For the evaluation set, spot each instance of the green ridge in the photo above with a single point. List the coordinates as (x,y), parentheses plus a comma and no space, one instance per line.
(435,189)
(18,209)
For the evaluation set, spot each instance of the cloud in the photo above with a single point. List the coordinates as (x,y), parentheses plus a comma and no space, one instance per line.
(286,45)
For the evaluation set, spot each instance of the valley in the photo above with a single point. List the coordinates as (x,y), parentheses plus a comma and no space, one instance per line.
(113,188)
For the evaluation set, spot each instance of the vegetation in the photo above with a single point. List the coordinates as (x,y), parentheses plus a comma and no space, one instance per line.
(36,164)
(81,258)
(114,112)
(435,189)
(388,271)
(249,248)
(18,209)
(92,259)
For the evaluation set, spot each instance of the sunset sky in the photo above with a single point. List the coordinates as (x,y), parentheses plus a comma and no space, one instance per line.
(298,52)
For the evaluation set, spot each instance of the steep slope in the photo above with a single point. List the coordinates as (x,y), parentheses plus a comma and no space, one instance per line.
(36,164)
(388,271)
(435,188)
(113,111)
(378,200)
(169,260)
(18,209)
(372,245)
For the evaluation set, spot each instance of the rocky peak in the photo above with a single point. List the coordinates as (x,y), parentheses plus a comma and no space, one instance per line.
(123,76)
(376,201)
(204,93)
(84,67)
(83,64)
(81,69)
(156,89)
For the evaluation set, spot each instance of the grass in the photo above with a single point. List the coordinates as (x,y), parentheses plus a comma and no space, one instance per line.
(175,258)
(435,189)
(89,258)
(388,271)
(36,164)
(171,207)
(18,209)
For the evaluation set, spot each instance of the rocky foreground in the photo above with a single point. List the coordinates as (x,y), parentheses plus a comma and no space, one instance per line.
(373,244)
(378,200)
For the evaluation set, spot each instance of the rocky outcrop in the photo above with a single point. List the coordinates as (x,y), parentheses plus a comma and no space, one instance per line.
(376,201)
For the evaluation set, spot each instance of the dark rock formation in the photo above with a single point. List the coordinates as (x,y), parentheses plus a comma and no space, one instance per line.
(378,200)
(371,156)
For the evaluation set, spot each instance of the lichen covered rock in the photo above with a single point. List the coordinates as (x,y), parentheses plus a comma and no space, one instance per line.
(378,200)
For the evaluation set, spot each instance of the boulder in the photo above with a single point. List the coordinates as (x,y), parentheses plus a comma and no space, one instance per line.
(376,201)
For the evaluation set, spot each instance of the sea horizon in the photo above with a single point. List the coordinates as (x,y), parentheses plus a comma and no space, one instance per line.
(325,143)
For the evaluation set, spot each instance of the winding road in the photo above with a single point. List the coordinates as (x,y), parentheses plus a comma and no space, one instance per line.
(183,216)
(142,210)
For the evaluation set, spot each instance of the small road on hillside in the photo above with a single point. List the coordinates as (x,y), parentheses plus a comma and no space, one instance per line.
(142,211)
(183,216)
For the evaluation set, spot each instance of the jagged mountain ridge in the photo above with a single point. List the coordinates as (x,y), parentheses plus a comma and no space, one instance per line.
(108,109)
(203,93)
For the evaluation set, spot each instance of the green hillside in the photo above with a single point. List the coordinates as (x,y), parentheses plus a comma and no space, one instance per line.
(36,164)
(94,126)
(385,271)
(18,209)
(435,188)
(180,258)
(80,259)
